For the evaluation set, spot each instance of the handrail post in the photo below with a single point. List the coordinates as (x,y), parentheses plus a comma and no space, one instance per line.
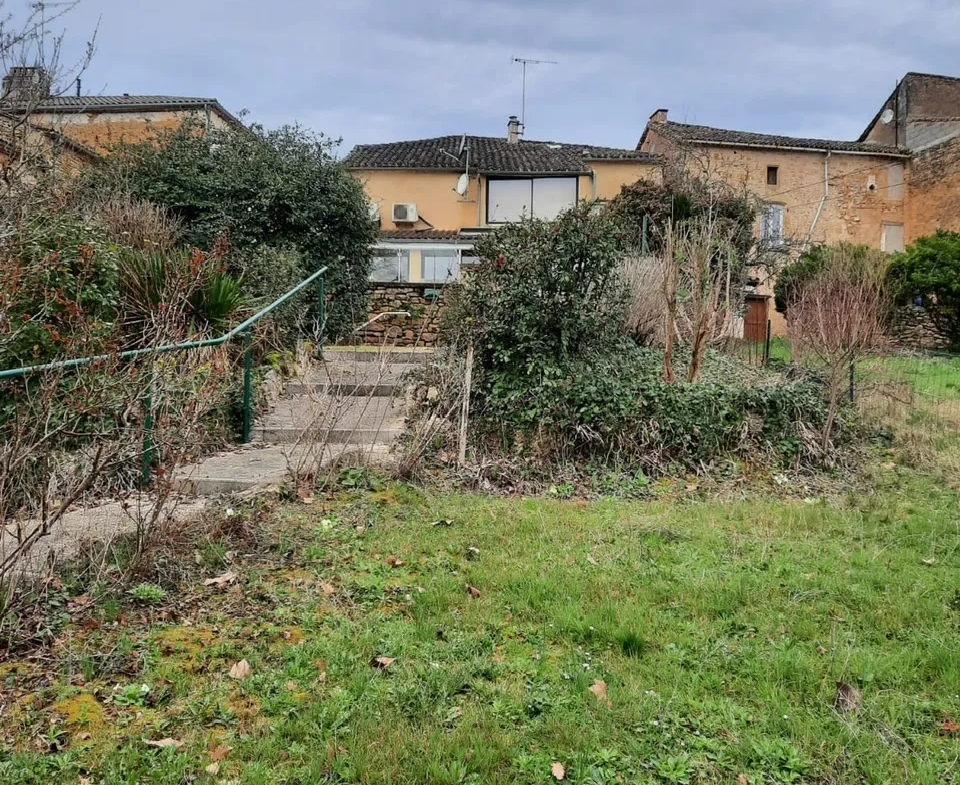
(321,312)
(146,457)
(247,384)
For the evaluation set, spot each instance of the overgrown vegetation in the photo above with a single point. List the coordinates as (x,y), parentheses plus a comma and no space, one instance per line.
(281,198)
(558,372)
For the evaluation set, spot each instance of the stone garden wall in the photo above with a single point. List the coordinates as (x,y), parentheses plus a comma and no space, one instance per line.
(423,301)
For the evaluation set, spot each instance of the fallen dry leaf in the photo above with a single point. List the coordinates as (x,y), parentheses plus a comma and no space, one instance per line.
(83,736)
(557,770)
(222,581)
(570,561)
(473,554)
(929,562)
(213,769)
(821,650)
(949,726)
(327,589)
(305,495)
(592,561)
(393,561)
(474,591)
(382,662)
(83,781)
(599,689)
(742,779)
(240,670)
(220,752)
(164,743)
(848,698)
(291,686)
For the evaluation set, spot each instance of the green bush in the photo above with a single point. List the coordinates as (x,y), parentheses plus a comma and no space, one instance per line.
(791,279)
(280,188)
(545,292)
(929,269)
(683,198)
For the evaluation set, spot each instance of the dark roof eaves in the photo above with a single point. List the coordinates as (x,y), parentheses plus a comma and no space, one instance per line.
(797,148)
(142,106)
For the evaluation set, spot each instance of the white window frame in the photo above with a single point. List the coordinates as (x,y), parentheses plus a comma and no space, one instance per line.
(491,207)
(401,253)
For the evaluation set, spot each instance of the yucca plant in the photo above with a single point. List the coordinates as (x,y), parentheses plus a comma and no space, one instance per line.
(175,292)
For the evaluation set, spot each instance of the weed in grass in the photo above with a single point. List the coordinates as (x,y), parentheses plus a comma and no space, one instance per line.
(147,594)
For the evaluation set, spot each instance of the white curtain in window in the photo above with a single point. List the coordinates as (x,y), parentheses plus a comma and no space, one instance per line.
(508,200)
(771,224)
(553,195)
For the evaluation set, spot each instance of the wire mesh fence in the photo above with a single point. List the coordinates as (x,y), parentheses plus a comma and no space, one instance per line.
(914,388)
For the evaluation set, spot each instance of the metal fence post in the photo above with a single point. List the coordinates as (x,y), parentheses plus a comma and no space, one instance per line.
(643,237)
(146,456)
(852,380)
(766,345)
(247,385)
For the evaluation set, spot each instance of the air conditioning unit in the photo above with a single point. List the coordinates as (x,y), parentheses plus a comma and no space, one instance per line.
(405,213)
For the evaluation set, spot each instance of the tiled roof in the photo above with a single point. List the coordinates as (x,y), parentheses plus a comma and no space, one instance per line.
(703,134)
(490,155)
(420,234)
(121,103)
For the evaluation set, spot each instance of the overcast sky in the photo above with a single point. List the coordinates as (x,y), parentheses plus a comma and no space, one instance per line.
(384,70)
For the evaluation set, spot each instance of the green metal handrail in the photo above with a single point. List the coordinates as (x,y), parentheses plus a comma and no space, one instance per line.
(241,329)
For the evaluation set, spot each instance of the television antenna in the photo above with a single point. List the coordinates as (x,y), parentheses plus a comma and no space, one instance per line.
(524,62)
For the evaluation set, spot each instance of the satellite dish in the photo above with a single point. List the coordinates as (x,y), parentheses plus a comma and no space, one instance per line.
(887,116)
(462,184)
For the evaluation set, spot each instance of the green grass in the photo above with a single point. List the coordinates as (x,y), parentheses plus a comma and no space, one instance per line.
(720,631)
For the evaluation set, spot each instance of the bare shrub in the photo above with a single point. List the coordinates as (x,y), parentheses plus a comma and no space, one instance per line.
(138,223)
(837,318)
(642,278)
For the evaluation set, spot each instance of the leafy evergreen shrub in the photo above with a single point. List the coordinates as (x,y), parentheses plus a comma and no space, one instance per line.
(929,269)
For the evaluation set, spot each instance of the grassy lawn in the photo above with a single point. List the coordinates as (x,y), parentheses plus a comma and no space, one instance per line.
(667,641)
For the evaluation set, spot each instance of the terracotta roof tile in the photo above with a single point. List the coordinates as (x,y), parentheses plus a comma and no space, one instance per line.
(489,155)
(703,134)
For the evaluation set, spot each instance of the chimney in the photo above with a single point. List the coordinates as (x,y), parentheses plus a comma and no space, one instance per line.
(26,85)
(513,130)
(660,116)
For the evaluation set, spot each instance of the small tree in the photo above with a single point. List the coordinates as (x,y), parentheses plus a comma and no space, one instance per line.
(836,319)
(282,189)
(929,270)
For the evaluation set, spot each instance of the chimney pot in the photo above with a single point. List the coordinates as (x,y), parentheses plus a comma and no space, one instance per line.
(660,116)
(24,85)
(513,130)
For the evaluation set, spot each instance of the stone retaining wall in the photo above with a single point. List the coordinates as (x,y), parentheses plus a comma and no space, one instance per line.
(424,302)
(912,328)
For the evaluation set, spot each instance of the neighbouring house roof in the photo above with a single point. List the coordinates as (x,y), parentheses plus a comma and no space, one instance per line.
(421,234)
(684,133)
(70,104)
(488,155)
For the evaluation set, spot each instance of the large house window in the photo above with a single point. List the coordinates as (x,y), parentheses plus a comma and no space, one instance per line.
(771,224)
(390,265)
(440,265)
(531,197)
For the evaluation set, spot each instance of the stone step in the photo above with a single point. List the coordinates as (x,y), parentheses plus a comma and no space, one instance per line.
(258,466)
(375,353)
(345,377)
(331,419)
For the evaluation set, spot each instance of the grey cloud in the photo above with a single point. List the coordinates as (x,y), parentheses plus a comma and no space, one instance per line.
(377,70)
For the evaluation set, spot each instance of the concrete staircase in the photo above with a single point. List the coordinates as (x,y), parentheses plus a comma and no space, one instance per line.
(347,405)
